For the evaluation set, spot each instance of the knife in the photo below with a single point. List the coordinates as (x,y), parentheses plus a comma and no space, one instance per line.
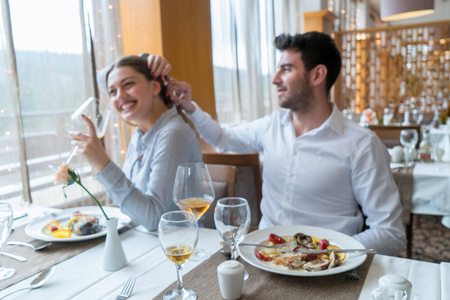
(329,251)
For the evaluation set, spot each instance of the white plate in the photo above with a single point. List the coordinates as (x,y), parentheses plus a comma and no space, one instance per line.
(35,227)
(335,238)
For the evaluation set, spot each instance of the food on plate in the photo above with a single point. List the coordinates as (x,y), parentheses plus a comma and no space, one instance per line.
(79,223)
(310,262)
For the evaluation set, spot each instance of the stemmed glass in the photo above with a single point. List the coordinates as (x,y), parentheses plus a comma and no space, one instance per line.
(409,139)
(178,236)
(95,110)
(6,221)
(193,191)
(232,219)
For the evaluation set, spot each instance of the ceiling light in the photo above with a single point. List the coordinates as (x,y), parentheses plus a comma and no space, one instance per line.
(392,10)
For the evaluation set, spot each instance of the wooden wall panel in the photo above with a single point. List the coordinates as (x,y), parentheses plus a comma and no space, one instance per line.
(187,44)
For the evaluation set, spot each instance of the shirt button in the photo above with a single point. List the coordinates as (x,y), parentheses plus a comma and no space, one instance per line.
(295,152)
(291,175)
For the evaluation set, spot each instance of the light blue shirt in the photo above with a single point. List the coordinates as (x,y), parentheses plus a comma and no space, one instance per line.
(320,177)
(143,189)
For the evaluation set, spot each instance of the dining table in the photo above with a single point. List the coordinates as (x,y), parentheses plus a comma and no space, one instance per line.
(81,276)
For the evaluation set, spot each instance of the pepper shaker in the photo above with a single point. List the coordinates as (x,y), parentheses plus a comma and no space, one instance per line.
(397,282)
(231,279)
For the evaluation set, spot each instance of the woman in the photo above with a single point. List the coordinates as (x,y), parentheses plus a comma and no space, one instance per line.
(161,141)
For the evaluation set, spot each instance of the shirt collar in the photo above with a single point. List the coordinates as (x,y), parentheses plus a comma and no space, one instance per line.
(147,138)
(335,121)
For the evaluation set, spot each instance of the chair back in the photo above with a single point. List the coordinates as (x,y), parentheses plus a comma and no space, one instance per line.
(248,177)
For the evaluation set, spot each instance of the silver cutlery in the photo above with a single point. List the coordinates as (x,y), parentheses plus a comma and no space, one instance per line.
(353,275)
(38,281)
(329,251)
(127,288)
(35,245)
(18,257)
(276,246)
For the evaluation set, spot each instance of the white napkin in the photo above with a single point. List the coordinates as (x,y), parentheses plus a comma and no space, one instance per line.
(445,279)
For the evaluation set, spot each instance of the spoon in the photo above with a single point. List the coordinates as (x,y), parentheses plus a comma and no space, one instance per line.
(38,245)
(38,281)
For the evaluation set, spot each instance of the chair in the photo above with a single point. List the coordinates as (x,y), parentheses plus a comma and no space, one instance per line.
(390,134)
(248,177)
(223,178)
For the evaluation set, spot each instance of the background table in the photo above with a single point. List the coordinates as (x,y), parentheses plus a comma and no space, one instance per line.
(431,193)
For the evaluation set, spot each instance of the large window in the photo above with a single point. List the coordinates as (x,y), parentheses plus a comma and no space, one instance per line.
(46,49)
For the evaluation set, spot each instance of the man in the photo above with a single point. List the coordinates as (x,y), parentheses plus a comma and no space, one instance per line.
(320,169)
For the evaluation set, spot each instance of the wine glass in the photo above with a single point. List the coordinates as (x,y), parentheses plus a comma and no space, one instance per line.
(232,219)
(6,221)
(95,110)
(193,191)
(409,139)
(178,236)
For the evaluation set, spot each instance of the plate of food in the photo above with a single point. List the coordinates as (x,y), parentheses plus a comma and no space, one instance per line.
(300,264)
(74,224)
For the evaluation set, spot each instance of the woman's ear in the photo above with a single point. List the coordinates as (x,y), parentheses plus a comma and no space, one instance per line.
(156,87)
(319,75)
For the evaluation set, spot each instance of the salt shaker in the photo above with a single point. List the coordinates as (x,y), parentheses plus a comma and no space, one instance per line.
(231,279)
(394,281)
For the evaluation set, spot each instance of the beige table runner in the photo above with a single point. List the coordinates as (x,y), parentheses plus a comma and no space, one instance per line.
(403,178)
(266,285)
(42,259)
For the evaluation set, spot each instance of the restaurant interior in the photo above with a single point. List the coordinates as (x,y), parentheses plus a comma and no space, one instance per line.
(394,81)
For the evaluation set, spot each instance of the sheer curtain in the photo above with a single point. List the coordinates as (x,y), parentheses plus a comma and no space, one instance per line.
(46,51)
(244,57)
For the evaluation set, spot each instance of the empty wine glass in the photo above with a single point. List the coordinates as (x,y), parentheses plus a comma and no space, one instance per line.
(178,236)
(6,221)
(96,111)
(193,191)
(409,139)
(232,219)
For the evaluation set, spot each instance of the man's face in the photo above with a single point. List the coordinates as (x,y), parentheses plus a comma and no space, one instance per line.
(292,81)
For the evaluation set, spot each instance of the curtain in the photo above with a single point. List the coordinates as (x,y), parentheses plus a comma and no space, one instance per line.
(244,57)
(49,50)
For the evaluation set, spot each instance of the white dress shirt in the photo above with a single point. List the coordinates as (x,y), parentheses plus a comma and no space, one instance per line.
(320,177)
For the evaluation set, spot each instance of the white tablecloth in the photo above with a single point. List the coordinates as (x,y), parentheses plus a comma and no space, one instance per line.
(424,276)
(440,137)
(82,276)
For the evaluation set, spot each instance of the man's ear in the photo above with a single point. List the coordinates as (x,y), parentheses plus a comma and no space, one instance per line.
(318,75)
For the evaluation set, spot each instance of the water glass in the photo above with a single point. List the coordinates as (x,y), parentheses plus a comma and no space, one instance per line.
(6,222)
(409,139)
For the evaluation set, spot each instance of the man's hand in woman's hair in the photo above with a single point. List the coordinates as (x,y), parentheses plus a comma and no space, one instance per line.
(180,93)
(158,65)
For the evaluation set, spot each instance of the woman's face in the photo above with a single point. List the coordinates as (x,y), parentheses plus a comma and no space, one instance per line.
(132,95)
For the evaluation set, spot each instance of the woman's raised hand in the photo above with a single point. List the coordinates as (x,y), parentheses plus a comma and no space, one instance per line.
(180,93)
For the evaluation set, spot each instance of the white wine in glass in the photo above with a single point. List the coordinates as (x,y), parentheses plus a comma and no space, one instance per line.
(6,221)
(178,236)
(193,191)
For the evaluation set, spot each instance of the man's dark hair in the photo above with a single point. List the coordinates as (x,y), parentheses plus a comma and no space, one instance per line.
(316,48)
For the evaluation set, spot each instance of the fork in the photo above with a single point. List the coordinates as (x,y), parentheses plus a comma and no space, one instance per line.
(353,274)
(127,288)
(276,246)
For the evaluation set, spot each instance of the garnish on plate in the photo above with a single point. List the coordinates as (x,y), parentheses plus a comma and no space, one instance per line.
(300,261)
